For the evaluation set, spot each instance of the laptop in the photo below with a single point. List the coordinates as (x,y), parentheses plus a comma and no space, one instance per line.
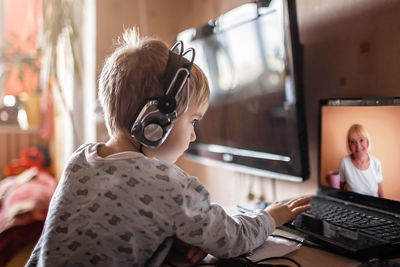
(355,222)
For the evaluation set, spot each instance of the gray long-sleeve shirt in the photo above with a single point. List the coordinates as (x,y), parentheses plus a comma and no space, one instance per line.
(124,210)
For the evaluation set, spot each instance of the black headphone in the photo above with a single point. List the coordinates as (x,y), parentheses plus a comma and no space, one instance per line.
(157,116)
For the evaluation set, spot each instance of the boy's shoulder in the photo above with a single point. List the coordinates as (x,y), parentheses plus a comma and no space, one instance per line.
(83,147)
(169,169)
(78,153)
(81,150)
(131,163)
(172,173)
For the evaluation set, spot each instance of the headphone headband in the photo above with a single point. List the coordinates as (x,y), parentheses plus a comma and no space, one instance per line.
(175,63)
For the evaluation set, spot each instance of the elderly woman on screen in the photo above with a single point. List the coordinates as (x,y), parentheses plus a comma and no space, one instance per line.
(360,171)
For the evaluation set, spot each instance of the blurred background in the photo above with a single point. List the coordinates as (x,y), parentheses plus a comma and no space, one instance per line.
(51,52)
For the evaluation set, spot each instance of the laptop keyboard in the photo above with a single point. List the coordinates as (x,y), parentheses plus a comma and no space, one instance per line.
(356,219)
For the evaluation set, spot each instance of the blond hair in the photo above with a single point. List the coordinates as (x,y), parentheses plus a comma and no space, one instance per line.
(359,130)
(134,73)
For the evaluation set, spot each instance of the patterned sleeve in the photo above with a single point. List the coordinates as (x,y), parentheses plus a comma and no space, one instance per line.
(208,226)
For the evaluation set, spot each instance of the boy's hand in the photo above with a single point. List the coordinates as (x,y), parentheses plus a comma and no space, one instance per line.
(286,212)
(192,253)
(195,254)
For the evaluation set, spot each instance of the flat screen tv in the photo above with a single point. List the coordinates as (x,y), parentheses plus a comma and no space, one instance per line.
(252,58)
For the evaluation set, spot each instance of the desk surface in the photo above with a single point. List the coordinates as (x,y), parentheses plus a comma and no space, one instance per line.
(305,256)
(308,256)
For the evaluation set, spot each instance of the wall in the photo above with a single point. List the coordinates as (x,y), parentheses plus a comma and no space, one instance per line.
(351,49)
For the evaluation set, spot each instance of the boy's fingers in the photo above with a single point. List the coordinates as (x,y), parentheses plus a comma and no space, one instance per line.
(301,209)
(195,254)
(291,201)
(198,256)
(191,251)
(300,201)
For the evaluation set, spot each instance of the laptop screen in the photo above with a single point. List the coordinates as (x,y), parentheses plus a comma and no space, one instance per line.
(360,146)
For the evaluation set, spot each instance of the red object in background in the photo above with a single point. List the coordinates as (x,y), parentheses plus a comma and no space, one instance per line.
(30,157)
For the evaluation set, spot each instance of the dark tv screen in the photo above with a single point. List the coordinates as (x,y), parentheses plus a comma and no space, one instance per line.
(255,122)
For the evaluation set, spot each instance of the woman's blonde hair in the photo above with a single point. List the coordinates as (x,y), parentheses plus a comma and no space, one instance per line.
(134,73)
(360,130)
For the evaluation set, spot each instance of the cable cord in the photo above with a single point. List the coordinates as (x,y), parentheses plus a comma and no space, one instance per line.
(241,262)
(245,262)
(259,262)
(300,241)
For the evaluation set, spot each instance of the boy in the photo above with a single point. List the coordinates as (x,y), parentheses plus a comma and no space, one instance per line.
(123,203)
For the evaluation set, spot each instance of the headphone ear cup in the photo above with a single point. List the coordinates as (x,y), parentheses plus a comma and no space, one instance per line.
(152,126)
(153,132)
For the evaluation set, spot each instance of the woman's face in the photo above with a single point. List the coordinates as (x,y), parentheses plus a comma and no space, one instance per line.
(358,145)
